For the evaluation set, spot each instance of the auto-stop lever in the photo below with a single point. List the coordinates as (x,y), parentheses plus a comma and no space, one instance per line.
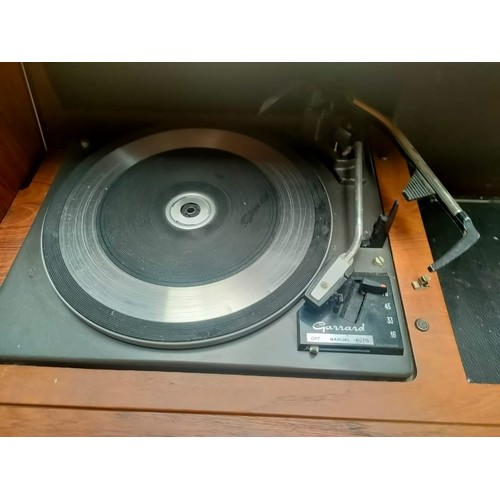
(339,269)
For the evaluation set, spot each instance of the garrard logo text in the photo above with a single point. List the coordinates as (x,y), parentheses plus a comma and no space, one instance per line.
(321,326)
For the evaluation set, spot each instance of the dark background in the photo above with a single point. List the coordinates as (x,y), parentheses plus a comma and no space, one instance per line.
(450,111)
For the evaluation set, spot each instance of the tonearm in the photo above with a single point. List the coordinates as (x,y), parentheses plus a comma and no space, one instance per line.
(322,103)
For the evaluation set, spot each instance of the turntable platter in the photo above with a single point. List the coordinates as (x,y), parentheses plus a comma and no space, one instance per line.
(186,238)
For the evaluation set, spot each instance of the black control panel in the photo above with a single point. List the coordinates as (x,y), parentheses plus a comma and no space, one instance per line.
(360,317)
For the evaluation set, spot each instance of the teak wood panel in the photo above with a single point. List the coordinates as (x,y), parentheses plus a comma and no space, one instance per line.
(89,401)
(21,146)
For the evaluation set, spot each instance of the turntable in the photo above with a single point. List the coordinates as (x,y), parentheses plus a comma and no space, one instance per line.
(217,249)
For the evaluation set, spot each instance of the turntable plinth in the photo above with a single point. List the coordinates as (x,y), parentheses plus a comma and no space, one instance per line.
(70,401)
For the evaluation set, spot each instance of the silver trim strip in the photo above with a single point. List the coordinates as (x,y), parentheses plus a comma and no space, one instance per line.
(34,107)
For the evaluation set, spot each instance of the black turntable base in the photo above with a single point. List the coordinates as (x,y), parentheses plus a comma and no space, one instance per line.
(191,250)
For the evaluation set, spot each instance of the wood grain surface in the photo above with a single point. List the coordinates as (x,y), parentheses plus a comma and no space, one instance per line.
(50,400)
(18,220)
(43,421)
(21,147)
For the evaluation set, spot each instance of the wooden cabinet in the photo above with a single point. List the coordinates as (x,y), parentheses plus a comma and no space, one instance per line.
(21,145)
(43,400)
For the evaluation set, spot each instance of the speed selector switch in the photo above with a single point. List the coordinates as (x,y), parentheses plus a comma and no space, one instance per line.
(371,286)
(356,297)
